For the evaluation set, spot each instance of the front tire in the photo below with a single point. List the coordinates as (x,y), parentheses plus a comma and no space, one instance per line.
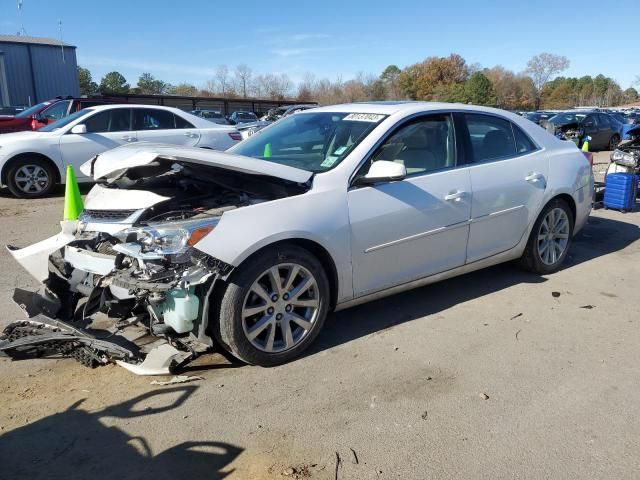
(613,142)
(31,178)
(550,239)
(273,306)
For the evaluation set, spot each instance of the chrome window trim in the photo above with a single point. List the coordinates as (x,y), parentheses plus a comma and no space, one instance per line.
(413,116)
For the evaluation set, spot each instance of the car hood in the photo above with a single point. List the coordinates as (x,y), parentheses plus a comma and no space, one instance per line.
(111,164)
(27,135)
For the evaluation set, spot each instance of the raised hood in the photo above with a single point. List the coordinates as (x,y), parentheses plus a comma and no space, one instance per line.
(111,164)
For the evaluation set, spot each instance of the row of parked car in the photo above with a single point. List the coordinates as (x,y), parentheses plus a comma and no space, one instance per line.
(38,142)
(603,128)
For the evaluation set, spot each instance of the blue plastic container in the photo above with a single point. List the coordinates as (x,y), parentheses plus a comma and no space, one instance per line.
(620,191)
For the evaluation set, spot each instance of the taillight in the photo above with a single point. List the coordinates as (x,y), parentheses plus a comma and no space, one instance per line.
(235,135)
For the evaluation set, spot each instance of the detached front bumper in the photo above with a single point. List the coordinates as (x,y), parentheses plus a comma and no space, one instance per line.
(100,303)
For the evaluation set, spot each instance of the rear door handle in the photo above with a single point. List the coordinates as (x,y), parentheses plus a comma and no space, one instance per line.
(128,138)
(534,177)
(190,134)
(455,196)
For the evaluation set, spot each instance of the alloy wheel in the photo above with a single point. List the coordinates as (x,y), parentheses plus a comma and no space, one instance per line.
(281,308)
(31,178)
(553,236)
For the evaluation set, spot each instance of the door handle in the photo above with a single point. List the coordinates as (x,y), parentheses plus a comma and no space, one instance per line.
(128,138)
(455,196)
(190,134)
(534,177)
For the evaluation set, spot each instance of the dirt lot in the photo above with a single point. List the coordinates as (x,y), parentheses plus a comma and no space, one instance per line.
(490,375)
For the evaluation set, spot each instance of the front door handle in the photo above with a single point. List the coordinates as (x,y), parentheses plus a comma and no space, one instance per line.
(455,196)
(190,134)
(128,138)
(534,177)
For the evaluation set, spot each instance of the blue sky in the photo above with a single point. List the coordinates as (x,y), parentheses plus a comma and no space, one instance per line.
(185,41)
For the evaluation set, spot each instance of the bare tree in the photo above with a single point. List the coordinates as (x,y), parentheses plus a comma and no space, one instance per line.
(222,77)
(243,78)
(542,68)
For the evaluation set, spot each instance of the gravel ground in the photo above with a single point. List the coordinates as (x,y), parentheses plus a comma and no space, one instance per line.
(496,374)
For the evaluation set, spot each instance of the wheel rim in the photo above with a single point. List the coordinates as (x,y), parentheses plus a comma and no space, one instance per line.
(281,308)
(31,178)
(553,236)
(613,143)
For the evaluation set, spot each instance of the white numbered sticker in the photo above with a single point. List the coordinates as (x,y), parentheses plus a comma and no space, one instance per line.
(364,117)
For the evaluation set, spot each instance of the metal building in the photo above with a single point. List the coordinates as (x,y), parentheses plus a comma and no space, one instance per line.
(34,69)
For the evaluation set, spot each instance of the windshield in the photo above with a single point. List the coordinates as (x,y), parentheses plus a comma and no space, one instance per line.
(315,142)
(32,110)
(64,121)
(245,116)
(210,114)
(568,117)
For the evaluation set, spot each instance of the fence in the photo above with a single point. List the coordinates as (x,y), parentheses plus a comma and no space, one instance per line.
(225,105)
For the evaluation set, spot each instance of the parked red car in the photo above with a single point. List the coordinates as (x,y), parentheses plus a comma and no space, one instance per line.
(45,113)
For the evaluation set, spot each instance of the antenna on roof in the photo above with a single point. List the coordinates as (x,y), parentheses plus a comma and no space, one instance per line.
(61,44)
(22,31)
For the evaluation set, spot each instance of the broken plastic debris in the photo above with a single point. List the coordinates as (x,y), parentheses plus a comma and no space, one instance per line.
(177,379)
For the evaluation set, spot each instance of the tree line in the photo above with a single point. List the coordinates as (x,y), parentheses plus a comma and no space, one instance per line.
(446,79)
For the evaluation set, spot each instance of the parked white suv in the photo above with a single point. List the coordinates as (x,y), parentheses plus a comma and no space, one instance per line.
(32,163)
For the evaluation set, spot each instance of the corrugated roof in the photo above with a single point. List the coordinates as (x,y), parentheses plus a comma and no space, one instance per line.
(33,40)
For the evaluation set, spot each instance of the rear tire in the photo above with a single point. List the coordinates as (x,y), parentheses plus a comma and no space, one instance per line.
(273,306)
(550,239)
(31,178)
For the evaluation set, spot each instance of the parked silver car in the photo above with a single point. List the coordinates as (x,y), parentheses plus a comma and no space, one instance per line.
(321,211)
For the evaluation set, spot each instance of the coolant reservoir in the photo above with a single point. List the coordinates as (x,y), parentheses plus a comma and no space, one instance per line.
(180,309)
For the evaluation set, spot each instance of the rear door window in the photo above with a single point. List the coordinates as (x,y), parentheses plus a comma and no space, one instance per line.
(523,143)
(152,119)
(491,138)
(182,123)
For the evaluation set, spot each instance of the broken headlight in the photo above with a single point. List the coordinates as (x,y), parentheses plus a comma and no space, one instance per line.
(623,158)
(170,238)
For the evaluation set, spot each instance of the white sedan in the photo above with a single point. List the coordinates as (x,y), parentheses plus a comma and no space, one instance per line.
(31,163)
(321,211)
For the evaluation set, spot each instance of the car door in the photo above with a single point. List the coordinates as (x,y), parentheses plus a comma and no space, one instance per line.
(162,126)
(593,128)
(508,174)
(405,230)
(608,128)
(106,129)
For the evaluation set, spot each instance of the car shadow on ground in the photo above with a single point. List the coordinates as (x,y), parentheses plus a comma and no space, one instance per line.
(77,444)
(600,237)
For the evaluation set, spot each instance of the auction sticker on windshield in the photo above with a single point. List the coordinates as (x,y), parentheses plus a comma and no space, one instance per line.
(364,117)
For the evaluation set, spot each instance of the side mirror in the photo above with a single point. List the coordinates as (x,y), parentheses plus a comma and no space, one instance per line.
(383,171)
(80,129)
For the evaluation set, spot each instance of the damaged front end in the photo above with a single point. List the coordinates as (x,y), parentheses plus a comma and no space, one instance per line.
(126,283)
(573,132)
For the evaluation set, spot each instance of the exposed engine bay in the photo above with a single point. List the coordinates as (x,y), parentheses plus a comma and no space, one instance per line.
(126,282)
(571,131)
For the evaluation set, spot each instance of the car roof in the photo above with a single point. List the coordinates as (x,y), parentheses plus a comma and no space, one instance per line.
(405,107)
(98,108)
